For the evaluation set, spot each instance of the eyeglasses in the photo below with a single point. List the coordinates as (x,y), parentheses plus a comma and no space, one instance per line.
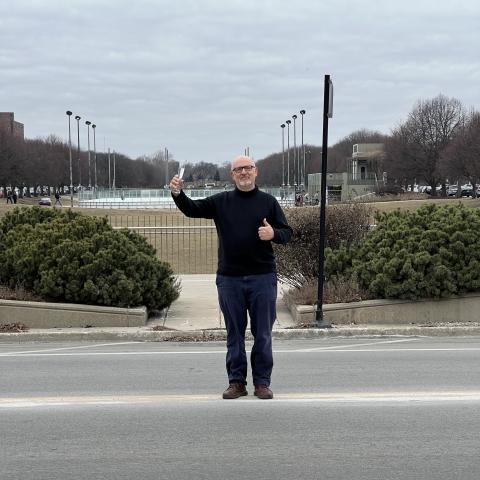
(247,168)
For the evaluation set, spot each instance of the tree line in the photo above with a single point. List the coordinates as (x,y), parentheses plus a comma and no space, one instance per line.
(439,142)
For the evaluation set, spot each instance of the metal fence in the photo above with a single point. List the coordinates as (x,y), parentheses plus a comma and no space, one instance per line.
(147,199)
(189,245)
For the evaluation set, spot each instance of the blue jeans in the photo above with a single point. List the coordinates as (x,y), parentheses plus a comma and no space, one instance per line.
(257,295)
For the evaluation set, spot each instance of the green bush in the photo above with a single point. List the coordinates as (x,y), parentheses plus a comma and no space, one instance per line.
(431,253)
(71,257)
(30,216)
(297,262)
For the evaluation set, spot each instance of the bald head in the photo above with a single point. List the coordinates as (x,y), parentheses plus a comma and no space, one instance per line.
(243,172)
(241,160)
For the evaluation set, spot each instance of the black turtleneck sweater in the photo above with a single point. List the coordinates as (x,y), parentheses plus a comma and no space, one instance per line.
(237,216)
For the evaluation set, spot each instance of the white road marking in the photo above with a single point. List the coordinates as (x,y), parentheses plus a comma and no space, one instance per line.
(335,347)
(212,352)
(340,397)
(46,350)
(69,348)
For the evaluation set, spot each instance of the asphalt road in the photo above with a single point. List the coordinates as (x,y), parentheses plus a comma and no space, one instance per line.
(378,408)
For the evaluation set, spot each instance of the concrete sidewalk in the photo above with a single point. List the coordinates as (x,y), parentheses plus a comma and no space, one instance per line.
(197,307)
(196,316)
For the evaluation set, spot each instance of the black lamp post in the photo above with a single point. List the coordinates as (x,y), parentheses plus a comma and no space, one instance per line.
(302,113)
(88,123)
(288,122)
(320,321)
(309,152)
(114,171)
(94,156)
(77,118)
(109,178)
(282,126)
(166,167)
(295,154)
(69,114)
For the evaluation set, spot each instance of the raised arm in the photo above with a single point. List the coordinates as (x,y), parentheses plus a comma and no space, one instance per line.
(204,208)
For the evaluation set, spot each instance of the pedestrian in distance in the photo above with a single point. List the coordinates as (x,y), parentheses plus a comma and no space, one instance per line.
(57,199)
(247,221)
(9,196)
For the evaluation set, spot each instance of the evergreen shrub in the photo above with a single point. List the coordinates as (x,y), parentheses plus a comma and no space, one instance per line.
(431,253)
(297,261)
(68,256)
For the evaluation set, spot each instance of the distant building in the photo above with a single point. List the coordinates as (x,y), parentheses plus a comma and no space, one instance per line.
(360,178)
(364,159)
(9,125)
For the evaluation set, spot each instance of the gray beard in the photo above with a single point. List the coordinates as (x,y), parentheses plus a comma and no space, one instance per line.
(246,184)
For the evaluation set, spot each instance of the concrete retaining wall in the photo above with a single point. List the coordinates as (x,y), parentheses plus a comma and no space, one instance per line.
(51,315)
(465,308)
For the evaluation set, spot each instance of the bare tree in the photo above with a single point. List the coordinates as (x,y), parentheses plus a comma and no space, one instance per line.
(420,141)
(461,159)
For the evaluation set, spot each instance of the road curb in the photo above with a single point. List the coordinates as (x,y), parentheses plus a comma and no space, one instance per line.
(148,335)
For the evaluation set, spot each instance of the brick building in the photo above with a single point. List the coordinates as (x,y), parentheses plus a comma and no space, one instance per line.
(8,124)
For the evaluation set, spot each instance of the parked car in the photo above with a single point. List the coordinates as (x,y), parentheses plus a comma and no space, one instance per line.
(452,190)
(45,201)
(467,192)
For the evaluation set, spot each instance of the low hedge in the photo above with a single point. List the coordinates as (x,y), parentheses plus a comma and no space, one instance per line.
(433,252)
(68,256)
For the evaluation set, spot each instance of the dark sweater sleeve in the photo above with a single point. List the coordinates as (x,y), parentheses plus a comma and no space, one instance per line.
(203,208)
(282,232)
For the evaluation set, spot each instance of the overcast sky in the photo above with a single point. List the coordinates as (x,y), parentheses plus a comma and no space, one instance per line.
(207,78)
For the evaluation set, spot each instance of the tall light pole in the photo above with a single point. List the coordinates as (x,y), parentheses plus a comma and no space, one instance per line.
(88,123)
(302,113)
(69,113)
(95,156)
(166,167)
(327,113)
(288,122)
(77,118)
(295,156)
(109,178)
(114,170)
(282,126)
(309,152)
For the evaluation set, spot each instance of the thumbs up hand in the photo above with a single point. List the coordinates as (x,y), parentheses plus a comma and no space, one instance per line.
(266,231)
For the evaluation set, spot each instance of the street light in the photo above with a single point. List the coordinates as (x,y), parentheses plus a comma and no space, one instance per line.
(69,113)
(87,123)
(109,179)
(309,152)
(302,113)
(320,320)
(114,171)
(288,122)
(95,156)
(166,167)
(283,154)
(295,156)
(77,118)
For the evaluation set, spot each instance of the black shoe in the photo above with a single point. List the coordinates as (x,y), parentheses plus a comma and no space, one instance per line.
(263,392)
(235,390)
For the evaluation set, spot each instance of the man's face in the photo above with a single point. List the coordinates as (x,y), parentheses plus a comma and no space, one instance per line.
(244,173)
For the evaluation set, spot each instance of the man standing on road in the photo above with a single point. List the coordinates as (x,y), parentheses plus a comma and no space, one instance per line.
(247,221)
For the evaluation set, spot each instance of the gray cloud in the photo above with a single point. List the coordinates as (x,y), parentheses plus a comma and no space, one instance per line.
(208,78)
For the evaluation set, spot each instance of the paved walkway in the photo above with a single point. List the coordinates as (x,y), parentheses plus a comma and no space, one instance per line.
(197,307)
